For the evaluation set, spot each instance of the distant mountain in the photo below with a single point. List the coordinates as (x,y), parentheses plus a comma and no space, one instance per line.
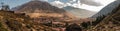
(108,9)
(41,8)
(81,13)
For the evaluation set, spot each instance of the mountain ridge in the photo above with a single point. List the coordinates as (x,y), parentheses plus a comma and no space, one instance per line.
(35,8)
(108,9)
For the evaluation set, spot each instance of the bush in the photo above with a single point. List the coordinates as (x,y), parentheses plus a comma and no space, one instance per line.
(85,25)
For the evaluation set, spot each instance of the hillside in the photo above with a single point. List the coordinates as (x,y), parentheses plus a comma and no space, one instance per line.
(9,21)
(40,8)
(110,22)
(107,9)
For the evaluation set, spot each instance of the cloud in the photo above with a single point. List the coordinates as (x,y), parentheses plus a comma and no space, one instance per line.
(87,2)
(75,3)
(58,4)
(72,0)
(44,0)
(92,5)
(61,4)
(90,2)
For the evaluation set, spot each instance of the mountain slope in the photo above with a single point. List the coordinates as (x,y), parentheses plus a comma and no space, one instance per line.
(81,13)
(9,21)
(110,22)
(40,8)
(33,6)
(106,10)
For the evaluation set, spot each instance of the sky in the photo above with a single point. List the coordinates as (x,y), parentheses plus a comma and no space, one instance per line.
(92,5)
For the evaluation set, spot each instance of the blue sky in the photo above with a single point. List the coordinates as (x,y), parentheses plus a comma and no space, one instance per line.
(14,3)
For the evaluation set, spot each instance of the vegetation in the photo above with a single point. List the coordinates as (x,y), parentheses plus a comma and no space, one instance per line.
(73,27)
(98,20)
(9,21)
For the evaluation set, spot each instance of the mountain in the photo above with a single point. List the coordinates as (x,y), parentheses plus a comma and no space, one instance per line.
(81,13)
(41,8)
(110,22)
(33,6)
(108,9)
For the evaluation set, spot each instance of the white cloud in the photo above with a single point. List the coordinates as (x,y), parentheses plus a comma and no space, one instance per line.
(90,2)
(68,4)
(98,8)
(58,4)
(92,5)
(72,0)
(44,0)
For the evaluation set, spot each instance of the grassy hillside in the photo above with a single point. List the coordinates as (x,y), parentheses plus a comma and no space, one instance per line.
(9,21)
